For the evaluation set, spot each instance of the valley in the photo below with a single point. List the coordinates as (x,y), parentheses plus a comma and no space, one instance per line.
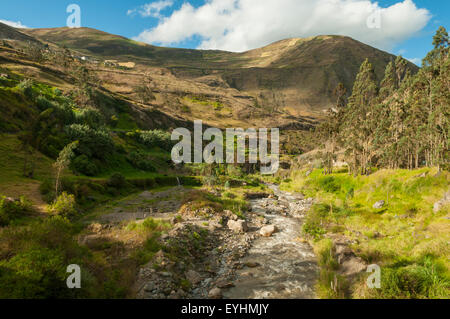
(87,176)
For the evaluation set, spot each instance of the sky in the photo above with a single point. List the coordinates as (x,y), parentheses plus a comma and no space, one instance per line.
(401,27)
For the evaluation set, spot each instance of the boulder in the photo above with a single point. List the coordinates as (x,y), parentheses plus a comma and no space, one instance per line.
(252,264)
(230,215)
(193,277)
(443,202)
(268,231)
(238,226)
(95,228)
(256,195)
(91,240)
(379,204)
(215,293)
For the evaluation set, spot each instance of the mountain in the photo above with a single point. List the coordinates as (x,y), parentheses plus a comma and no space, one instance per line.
(10,33)
(296,76)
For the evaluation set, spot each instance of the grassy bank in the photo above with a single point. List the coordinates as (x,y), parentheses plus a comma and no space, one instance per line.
(405,237)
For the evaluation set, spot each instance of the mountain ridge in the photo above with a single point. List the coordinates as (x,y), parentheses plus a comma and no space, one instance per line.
(296,76)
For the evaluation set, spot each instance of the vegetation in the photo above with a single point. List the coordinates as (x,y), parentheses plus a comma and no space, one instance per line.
(403,123)
(405,237)
(60,111)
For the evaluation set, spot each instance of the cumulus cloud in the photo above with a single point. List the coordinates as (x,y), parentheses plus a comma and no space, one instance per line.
(151,9)
(240,25)
(14,24)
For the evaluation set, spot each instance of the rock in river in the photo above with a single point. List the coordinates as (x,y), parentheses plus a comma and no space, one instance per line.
(239,226)
(268,231)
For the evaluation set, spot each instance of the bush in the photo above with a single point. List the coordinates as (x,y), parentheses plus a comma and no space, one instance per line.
(141,161)
(83,165)
(229,195)
(57,92)
(43,103)
(156,138)
(64,206)
(313,225)
(34,263)
(211,180)
(425,279)
(30,273)
(329,184)
(26,86)
(117,181)
(92,143)
(11,209)
(91,117)
(330,284)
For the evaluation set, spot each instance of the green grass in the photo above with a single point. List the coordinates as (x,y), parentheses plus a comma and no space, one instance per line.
(399,237)
(216,105)
(11,161)
(330,284)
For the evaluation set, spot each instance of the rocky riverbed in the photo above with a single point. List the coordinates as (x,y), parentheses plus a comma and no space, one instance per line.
(261,257)
(279,265)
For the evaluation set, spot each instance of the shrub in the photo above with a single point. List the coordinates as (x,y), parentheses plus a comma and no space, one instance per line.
(91,117)
(11,209)
(330,284)
(35,260)
(92,143)
(424,279)
(156,138)
(229,195)
(211,180)
(65,113)
(43,103)
(30,273)
(117,181)
(141,161)
(26,86)
(57,92)
(329,184)
(313,225)
(64,206)
(83,165)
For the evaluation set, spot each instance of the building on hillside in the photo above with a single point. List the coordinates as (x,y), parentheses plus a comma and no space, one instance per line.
(127,65)
(117,64)
(86,59)
(111,63)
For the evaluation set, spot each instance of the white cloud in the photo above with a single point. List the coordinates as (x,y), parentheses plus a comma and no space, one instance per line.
(239,25)
(152,9)
(14,24)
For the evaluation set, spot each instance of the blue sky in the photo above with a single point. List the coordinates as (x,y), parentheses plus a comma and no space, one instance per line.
(238,25)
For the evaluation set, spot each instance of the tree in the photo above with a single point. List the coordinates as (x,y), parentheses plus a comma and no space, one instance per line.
(330,128)
(86,82)
(28,146)
(63,161)
(144,90)
(358,130)
(434,90)
(403,124)
(35,52)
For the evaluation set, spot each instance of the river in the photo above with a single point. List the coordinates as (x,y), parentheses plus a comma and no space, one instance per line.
(281,266)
